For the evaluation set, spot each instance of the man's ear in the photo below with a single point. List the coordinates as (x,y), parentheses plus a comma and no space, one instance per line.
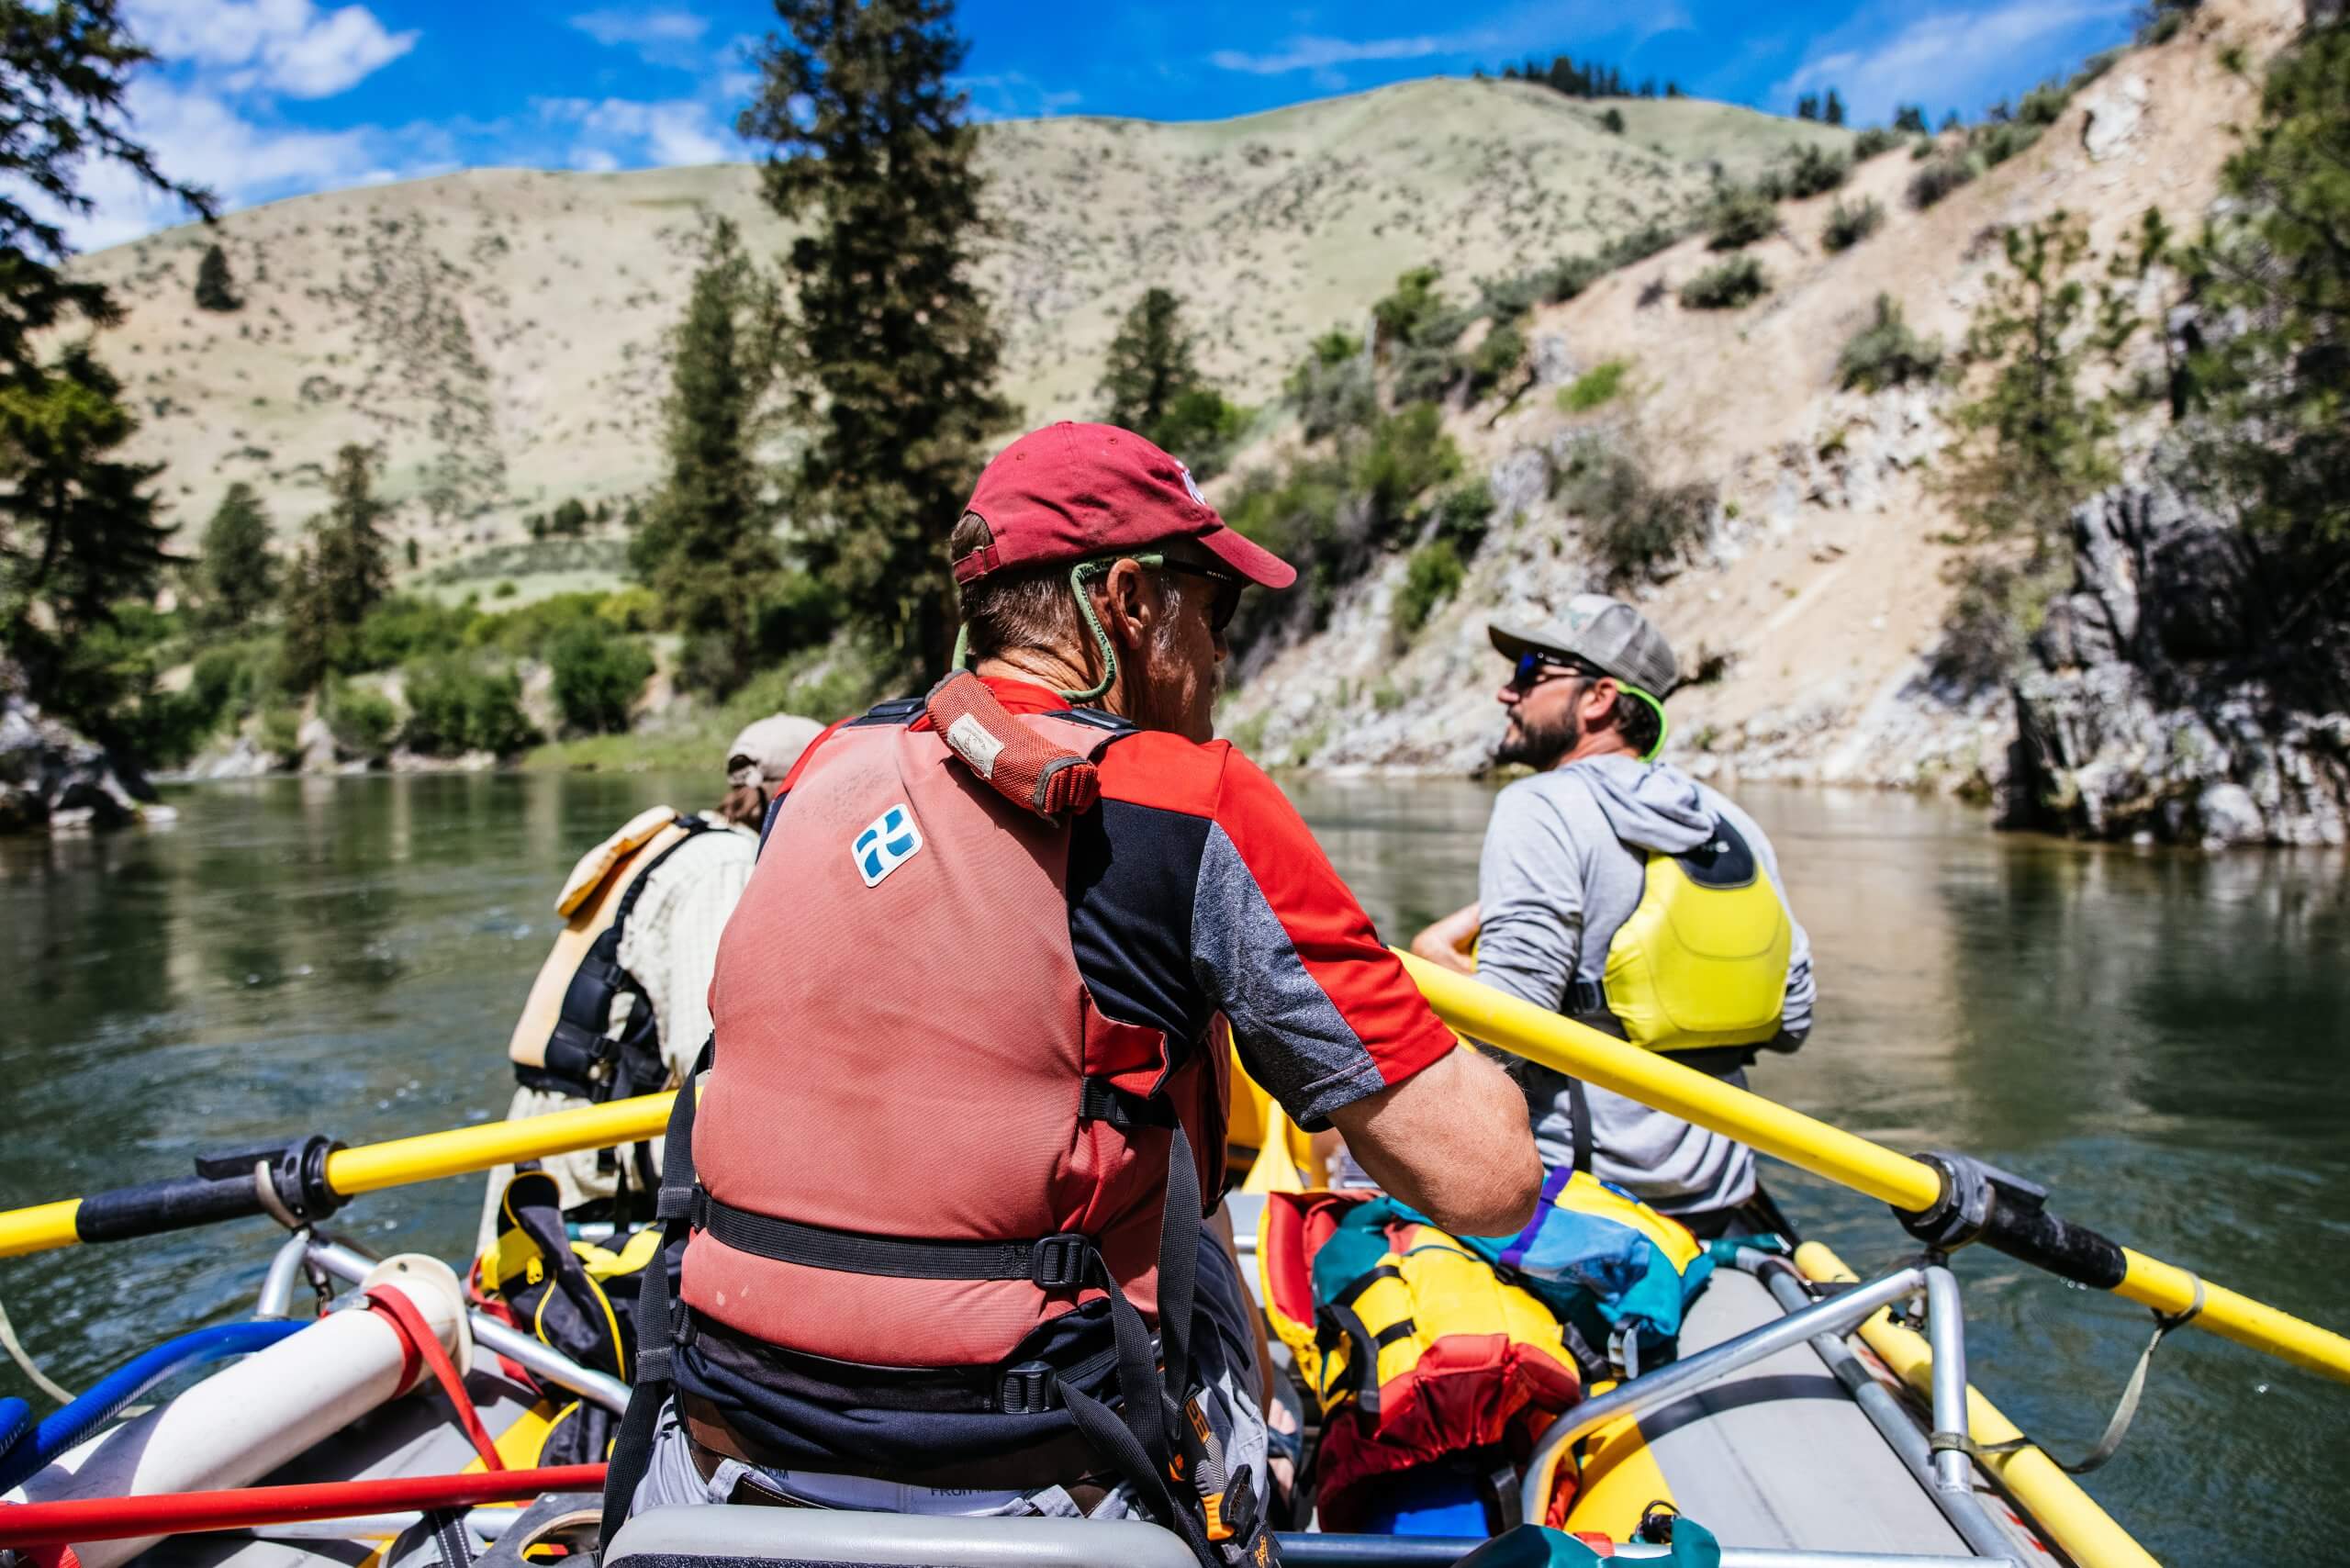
(1127,606)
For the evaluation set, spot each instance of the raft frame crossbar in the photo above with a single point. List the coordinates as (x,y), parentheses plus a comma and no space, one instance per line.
(1840,1313)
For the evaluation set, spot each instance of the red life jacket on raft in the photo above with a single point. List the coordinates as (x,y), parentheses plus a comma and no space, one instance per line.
(918,1139)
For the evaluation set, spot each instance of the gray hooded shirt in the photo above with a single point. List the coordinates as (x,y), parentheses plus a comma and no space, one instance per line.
(1565,864)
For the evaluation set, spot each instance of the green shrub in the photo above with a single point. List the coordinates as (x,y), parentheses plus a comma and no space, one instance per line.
(803,610)
(1875,139)
(1202,428)
(505,589)
(1733,283)
(281,730)
(1407,454)
(1502,352)
(597,674)
(1849,223)
(1593,387)
(1813,171)
(631,608)
(1995,144)
(2044,104)
(1738,218)
(405,627)
(1632,525)
(362,722)
(1885,353)
(1613,121)
(1463,513)
(1639,245)
(1332,390)
(455,705)
(1941,176)
(1433,574)
(234,679)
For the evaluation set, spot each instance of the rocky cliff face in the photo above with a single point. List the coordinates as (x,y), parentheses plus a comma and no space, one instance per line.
(2163,701)
(52,777)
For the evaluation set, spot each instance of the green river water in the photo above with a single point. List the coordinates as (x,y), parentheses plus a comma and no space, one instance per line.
(2163,1039)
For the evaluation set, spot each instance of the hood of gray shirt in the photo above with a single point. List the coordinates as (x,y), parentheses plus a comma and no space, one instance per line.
(1651,804)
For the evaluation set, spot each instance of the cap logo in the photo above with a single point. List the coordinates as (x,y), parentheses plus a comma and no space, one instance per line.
(1190,485)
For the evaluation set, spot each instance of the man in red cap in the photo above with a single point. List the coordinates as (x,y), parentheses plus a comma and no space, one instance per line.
(944,1189)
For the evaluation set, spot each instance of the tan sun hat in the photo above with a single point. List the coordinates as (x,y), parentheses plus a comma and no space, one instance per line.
(767,747)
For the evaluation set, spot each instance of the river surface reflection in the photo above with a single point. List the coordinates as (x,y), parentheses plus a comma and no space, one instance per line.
(2163,1039)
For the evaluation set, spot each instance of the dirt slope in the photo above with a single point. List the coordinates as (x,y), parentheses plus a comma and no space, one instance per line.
(1825,584)
(501,332)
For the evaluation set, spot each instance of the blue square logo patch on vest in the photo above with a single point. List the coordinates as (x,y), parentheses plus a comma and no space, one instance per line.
(889,843)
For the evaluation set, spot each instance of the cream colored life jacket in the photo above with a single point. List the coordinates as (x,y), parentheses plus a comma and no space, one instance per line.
(563,1040)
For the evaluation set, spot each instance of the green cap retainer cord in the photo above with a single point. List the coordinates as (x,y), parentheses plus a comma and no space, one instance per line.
(1077,575)
(1663,724)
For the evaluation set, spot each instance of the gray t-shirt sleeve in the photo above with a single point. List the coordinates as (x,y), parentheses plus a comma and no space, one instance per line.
(1529,891)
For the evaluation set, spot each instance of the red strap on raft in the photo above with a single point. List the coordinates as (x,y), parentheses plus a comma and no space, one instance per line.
(1024,767)
(171,1513)
(417,1335)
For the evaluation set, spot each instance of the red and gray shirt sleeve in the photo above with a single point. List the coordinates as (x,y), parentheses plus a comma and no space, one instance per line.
(1196,889)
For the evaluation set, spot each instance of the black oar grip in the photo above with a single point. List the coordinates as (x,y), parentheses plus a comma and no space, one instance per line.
(156,1207)
(2009,1214)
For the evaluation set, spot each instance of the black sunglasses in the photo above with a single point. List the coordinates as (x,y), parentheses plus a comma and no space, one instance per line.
(1530,667)
(1227,591)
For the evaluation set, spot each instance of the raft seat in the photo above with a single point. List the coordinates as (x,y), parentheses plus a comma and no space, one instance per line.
(710,1534)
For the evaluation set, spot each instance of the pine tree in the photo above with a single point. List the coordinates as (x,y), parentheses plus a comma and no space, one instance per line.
(238,569)
(896,357)
(354,559)
(1807,107)
(78,527)
(706,545)
(215,289)
(1910,120)
(1151,363)
(1834,111)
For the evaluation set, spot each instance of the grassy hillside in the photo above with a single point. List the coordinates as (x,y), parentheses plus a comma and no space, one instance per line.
(500,332)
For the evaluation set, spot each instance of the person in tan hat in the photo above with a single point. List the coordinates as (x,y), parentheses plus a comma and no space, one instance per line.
(1620,891)
(622,1003)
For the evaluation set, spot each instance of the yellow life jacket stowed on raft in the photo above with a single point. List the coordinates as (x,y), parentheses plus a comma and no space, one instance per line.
(1423,1353)
(1701,962)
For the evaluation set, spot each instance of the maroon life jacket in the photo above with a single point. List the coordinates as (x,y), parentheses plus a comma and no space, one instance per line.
(918,1139)
(905,1050)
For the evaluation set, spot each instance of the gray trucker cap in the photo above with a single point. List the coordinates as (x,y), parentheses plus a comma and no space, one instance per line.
(1604,633)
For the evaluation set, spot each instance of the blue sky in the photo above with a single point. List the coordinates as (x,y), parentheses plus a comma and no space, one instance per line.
(268,98)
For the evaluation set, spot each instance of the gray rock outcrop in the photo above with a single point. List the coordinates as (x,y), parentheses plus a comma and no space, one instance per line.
(52,777)
(2163,701)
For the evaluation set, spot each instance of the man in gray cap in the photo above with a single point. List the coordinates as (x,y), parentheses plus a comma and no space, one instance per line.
(1619,891)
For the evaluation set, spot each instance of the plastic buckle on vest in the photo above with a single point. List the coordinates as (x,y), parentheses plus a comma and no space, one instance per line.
(1059,1262)
(1026,1389)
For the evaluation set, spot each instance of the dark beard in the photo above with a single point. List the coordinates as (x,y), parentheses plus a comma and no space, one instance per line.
(1538,748)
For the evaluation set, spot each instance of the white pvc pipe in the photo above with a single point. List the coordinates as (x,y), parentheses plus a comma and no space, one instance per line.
(240,1424)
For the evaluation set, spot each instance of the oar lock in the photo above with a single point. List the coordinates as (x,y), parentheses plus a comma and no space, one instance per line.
(1979,1202)
(289,1180)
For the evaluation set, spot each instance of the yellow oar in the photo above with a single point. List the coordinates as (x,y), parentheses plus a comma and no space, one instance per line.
(2071,1250)
(346,1173)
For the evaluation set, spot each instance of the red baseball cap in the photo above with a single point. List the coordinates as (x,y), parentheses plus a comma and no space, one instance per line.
(1071,491)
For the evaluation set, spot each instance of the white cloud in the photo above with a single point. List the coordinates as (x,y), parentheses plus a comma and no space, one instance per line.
(664,36)
(1944,59)
(1012,94)
(629,132)
(284,47)
(1322,55)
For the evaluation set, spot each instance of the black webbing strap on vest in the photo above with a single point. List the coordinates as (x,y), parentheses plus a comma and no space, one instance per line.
(655,1322)
(1138,1439)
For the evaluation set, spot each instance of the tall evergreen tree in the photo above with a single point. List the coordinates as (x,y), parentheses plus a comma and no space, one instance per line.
(215,288)
(1832,111)
(342,572)
(236,570)
(1807,107)
(1910,120)
(1151,363)
(78,528)
(895,379)
(706,545)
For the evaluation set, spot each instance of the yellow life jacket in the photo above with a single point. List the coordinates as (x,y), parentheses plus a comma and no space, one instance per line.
(1702,961)
(562,1039)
